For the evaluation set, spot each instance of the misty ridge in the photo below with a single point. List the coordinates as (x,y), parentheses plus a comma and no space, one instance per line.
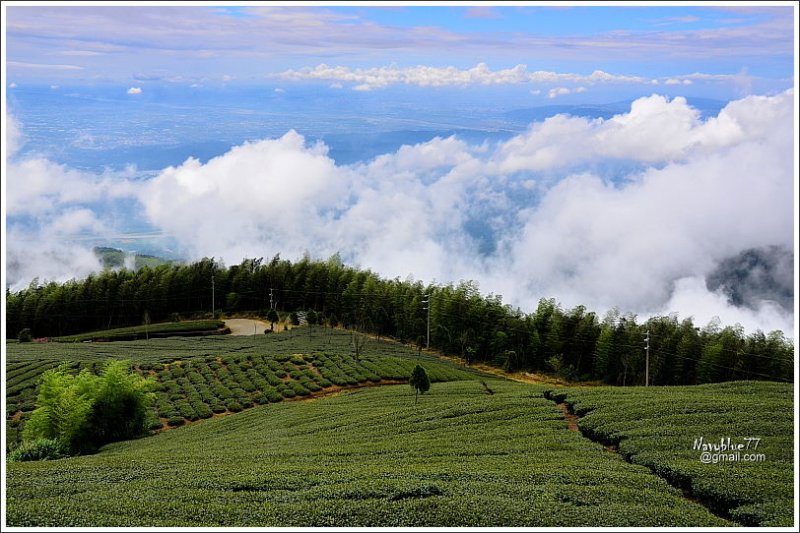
(643,210)
(756,275)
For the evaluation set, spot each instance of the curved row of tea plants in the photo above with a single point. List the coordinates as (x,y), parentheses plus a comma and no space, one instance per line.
(201,386)
(461,457)
(660,427)
(163,329)
(191,390)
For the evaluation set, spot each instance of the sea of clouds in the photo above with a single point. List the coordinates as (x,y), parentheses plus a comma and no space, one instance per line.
(559,224)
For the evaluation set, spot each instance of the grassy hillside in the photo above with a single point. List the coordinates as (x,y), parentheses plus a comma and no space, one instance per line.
(660,427)
(164,329)
(462,457)
(470,454)
(115,258)
(199,377)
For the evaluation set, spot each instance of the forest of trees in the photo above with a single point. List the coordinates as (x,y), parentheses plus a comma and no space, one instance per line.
(574,343)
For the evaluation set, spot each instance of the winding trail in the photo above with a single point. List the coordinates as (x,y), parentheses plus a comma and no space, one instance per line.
(572,423)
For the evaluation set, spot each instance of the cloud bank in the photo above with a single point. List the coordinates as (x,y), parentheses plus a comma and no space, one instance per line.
(631,212)
(366,79)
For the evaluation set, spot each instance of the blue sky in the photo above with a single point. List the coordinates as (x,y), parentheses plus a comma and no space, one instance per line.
(207,45)
(541,151)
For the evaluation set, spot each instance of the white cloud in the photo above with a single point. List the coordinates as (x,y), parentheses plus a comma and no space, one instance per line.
(44,254)
(690,193)
(12,85)
(135,90)
(14,137)
(558,91)
(257,192)
(655,130)
(691,294)
(425,76)
(79,53)
(39,187)
(59,200)
(41,66)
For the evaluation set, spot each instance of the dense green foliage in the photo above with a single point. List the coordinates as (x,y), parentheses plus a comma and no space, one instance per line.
(165,329)
(39,450)
(419,381)
(197,377)
(658,426)
(24,335)
(369,458)
(84,411)
(574,343)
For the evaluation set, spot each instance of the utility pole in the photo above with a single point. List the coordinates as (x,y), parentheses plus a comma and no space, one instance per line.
(426,305)
(647,360)
(213,310)
(271,302)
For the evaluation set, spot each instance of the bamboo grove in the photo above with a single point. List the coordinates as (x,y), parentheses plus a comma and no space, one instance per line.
(574,343)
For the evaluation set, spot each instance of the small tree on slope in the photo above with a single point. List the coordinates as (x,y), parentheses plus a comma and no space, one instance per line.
(419,380)
(272,316)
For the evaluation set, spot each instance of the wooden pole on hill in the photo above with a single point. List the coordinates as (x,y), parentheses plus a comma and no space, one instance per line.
(647,360)
(426,305)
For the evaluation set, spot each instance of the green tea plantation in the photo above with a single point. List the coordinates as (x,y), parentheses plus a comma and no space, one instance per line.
(475,451)
(679,433)
(461,457)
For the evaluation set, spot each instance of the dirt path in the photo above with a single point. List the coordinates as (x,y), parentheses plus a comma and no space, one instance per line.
(572,420)
(244,326)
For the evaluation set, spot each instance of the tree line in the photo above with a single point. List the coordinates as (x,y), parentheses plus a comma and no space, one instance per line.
(573,343)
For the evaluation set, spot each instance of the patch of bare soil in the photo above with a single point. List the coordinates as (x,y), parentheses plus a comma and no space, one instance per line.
(572,419)
(246,326)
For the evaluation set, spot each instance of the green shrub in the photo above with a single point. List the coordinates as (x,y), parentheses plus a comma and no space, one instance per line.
(175,421)
(85,411)
(39,449)
(234,406)
(25,335)
(272,395)
(299,389)
(286,392)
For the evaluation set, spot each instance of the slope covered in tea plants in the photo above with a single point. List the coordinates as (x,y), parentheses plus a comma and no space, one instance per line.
(461,457)
(196,384)
(691,436)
